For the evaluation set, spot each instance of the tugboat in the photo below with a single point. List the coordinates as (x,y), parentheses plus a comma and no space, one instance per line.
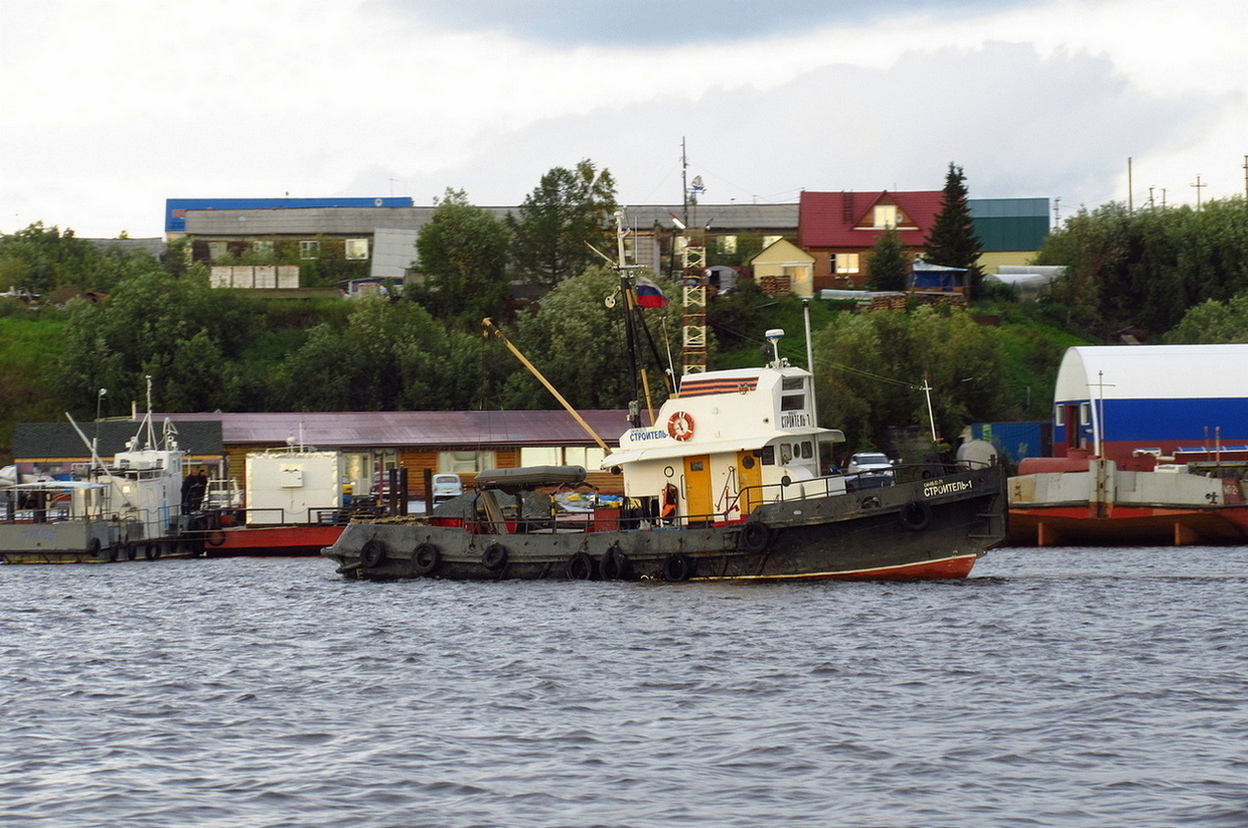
(724,484)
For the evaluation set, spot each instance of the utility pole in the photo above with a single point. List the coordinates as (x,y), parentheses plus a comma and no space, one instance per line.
(1198,187)
(1130,202)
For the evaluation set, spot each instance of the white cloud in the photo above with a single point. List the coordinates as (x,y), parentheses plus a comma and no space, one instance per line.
(128,104)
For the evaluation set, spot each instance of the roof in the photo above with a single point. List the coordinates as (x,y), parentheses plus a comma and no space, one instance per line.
(835,219)
(311,221)
(1126,372)
(39,441)
(369,429)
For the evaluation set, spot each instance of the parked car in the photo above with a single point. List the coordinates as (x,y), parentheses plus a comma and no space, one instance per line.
(868,470)
(445,487)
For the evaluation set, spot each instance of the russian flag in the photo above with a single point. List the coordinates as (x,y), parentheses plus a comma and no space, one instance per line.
(649,295)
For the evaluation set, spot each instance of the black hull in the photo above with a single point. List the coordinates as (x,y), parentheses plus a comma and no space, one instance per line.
(924,529)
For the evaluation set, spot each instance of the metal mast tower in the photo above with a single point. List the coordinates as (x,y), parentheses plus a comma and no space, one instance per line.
(692,242)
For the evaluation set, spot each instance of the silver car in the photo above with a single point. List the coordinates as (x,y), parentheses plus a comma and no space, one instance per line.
(868,470)
(446,486)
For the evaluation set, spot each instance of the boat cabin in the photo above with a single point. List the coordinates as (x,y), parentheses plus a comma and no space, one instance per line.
(727,442)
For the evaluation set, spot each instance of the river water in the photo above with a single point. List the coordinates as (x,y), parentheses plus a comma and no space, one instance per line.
(1055,687)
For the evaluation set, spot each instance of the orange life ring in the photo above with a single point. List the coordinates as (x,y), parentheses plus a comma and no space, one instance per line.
(680,425)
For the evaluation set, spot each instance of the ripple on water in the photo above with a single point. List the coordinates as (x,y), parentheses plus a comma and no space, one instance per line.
(1055,687)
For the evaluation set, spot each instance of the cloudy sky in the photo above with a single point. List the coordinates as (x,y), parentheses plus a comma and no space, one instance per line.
(109,108)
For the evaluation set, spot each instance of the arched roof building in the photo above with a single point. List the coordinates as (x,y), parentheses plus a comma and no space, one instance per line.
(1115,400)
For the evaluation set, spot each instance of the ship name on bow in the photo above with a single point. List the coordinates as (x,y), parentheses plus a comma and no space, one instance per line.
(944,487)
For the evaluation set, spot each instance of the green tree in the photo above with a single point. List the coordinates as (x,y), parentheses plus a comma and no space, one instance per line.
(567,212)
(1213,322)
(952,241)
(1141,271)
(579,345)
(392,356)
(42,259)
(872,368)
(887,262)
(463,257)
(183,334)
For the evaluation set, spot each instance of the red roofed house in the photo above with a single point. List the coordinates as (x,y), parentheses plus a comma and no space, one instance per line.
(839,229)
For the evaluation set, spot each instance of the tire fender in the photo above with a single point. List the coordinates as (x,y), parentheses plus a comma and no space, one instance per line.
(372,553)
(915,515)
(494,557)
(425,558)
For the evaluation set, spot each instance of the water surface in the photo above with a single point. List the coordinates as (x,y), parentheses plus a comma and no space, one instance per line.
(1055,687)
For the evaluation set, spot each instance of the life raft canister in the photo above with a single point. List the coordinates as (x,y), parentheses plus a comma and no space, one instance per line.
(680,425)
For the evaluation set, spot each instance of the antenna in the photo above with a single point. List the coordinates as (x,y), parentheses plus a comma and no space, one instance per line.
(773,337)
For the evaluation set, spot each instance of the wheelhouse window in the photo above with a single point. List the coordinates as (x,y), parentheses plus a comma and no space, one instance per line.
(793,394)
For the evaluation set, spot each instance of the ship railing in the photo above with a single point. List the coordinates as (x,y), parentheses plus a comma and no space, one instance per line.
(43,504)
(751,497)
(276,516)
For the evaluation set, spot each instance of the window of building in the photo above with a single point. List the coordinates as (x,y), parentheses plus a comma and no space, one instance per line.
(262,246)
(309,249)
(885,215)
(843,262)
(1085,414)
(357,249)
(588,457)
(465,462)
(357,471)
(540,456)
(1059,415)
(726,244)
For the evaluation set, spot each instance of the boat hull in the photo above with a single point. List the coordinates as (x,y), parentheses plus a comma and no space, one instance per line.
(270,541)
(85,541)
(926,529)
(1137,526)
(1105,505)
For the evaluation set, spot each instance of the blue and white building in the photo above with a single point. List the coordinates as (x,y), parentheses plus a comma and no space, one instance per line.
(1121,401)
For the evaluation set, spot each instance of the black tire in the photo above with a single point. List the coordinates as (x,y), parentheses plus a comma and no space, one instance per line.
(372,553)
(678,567)
(613,565)
(425,559)
(580,567)
(216,537)
(151,551)
(915,515)
(494,557)
(96,550)
(754,537)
